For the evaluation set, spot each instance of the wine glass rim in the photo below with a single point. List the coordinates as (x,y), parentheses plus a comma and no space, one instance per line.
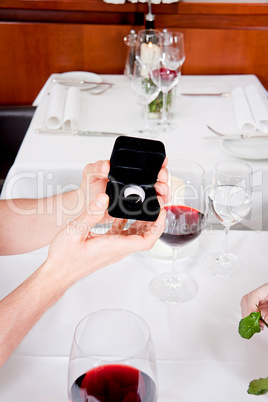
(141,31)
(173,160)
(145,325)
(237,163)
(174,32)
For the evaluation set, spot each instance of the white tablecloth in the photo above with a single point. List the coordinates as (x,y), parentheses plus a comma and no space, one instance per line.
(47,164)
(200,355)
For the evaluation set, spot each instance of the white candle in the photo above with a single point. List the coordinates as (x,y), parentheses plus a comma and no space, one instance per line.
(150,53)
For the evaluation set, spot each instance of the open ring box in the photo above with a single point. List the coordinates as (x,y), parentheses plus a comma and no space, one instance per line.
(134,167)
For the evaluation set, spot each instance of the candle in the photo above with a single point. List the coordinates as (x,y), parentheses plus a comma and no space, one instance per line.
(150,53)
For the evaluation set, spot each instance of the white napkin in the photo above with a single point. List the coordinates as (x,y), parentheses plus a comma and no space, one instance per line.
(72,109)
(54,115)
(250,110)
(258,107)
(63,108)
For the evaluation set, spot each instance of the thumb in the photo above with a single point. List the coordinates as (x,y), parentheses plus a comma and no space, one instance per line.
(93,214)
(97,170)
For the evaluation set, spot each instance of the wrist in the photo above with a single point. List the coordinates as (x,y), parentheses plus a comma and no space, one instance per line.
(52,283)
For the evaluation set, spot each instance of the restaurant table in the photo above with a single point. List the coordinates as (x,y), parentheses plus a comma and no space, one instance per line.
(50,163)
(200,355)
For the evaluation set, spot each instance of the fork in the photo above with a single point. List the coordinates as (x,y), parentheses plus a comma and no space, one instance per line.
(99,92)
(237,135)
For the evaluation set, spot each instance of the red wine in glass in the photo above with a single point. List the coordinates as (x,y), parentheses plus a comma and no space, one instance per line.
(110,383)
(183,225)
(168,78)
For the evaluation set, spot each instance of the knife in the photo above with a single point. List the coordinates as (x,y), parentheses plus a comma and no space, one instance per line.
(223,94)
(78,133)
(78,82)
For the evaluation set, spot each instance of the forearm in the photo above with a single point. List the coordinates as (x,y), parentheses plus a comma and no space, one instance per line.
(21,309)
(28,224)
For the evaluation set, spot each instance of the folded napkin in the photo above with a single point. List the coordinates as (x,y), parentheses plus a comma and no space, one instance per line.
(251,113)
(63,108)
(72,109)
(258,107)
(54,115)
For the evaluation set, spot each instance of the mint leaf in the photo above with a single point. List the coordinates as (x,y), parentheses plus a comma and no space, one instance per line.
(249,325)
(258,387)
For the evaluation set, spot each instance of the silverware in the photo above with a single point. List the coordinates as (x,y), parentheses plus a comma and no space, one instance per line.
(233,136)
(65,81)
(222,94)
(78,132)
(84,85)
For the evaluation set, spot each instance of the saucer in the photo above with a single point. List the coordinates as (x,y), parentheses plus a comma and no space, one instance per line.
(251,148)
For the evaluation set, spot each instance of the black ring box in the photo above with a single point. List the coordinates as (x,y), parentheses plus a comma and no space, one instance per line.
(134,161)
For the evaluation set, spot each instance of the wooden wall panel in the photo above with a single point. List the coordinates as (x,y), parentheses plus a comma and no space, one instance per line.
(38,38)
(34,51)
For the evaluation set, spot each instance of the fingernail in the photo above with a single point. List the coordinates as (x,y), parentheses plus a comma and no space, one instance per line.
(101,201)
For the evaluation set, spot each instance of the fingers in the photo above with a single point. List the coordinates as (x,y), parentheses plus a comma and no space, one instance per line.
(163,191)
(92,215)
(94,171)
(163,174)
(117,227)
(143,235)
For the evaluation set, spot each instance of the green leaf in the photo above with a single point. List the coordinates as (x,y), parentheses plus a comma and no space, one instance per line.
(249,325)
(258,387)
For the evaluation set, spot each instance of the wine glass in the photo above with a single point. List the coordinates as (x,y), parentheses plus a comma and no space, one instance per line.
(145,89)
(147,54)
(112,359)
(172,58)
(148,46)
(230,200)
(185,221)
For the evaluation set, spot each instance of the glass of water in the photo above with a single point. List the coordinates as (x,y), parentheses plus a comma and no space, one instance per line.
(230,200)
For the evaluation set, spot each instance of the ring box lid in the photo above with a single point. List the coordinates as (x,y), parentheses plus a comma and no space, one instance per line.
(134,161)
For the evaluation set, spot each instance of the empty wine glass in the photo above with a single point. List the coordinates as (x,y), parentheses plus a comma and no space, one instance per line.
(172,58)
(185,221)
(112,359)
(145,89)
(148,53)
(230,200)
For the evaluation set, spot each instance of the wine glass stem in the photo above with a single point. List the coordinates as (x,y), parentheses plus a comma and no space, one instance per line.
(173,273)
(164,109)
(145,113)
(223,258)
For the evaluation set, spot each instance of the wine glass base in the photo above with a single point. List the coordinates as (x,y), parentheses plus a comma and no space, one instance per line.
(232,267)
(165,127)
(175,289)
(145,132)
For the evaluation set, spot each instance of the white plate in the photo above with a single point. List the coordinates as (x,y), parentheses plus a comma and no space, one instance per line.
(81,75)
(75,75)
(161,251)
(252,148)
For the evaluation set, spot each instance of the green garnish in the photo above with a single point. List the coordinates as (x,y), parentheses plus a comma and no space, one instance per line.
(258,387)
(249,326)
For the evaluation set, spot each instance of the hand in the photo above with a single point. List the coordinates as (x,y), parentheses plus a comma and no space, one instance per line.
(76,251)
(258,297)
(95,178)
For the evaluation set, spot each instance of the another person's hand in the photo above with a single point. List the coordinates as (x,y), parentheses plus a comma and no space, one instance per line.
(95,178)
(76,251)
(258,298)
